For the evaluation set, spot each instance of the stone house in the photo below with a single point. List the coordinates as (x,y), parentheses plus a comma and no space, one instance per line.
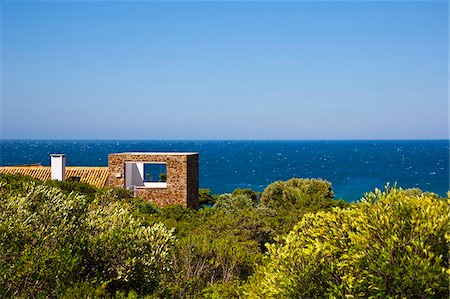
(162,178)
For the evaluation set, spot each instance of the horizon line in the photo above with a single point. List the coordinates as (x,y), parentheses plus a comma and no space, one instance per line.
(225,139)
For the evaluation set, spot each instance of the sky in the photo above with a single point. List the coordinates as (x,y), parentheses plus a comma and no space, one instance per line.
(224,70)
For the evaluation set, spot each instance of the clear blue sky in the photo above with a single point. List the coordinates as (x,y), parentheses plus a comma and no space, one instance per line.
(224,70)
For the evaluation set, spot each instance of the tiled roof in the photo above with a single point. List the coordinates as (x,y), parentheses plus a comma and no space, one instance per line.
(96,176)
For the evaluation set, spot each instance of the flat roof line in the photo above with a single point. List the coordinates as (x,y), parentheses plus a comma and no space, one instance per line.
(157,153)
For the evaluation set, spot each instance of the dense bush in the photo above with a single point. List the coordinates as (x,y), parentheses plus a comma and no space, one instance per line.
(202,260)
(73,186)
(394,244)
(52,241)
(290,200)
(231,203)
(13,183)
(122,253)
(71,240)
(298,192)
(205,197)
(40,245)
(216,250)
(253,195)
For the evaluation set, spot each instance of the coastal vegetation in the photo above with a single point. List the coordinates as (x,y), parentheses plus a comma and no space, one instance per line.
(294,240)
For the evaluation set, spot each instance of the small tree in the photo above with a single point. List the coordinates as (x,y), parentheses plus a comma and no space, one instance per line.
(162,177)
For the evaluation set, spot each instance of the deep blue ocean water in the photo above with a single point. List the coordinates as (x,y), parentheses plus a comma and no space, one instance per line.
(354,167)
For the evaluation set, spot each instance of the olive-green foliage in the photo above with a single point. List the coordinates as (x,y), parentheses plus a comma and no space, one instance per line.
(253,195)
(146,207)
(71,240)
(126,254)
(251,224)
(298,192)
(220,290)
(230,203)
(289,200)
(208,258)
(69,186)
(40,248)
(219,247)
(92,291)
(215,250)
(205,197)
(13,183)
(53,241)
(162,177)
(393,244)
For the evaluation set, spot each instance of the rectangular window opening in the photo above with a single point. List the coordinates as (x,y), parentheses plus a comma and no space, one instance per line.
(145,175)
(155,173)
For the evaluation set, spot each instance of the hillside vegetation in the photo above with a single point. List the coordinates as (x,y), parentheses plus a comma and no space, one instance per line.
(70,240)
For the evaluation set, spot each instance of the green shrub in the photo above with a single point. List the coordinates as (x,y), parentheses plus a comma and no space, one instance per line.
(56,242)
(230,203)
(298,192)
(219,290)
(251,224)
(205,197)
(253,195)
(86,290)
(40,245)
(123,253)
(214,247)
(13,183)
(162,177)
(290,200)
(391,245)
(73,186)
(146,207)
(69,240)
(202,260)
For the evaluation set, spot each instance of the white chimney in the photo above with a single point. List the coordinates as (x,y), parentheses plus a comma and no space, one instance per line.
(58,164)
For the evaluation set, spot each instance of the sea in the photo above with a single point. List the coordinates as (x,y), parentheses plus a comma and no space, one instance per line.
(353,167)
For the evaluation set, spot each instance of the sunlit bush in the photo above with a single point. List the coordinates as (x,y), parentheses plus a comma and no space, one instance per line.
(394,244)
(40,244)
(127,254)
(53,241)
(255,196)
(229,203)
(297,192)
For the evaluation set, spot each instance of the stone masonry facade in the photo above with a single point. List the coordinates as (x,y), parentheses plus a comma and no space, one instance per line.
(182,177)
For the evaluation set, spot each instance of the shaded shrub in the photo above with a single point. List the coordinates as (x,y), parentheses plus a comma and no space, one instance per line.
(202,260)
(147,208)
(251,224)
(66,241)
(214,247)
(391,245)
(205,197)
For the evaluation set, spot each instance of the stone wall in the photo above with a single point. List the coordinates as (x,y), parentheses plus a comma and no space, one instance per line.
(192,180)
(182,177)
